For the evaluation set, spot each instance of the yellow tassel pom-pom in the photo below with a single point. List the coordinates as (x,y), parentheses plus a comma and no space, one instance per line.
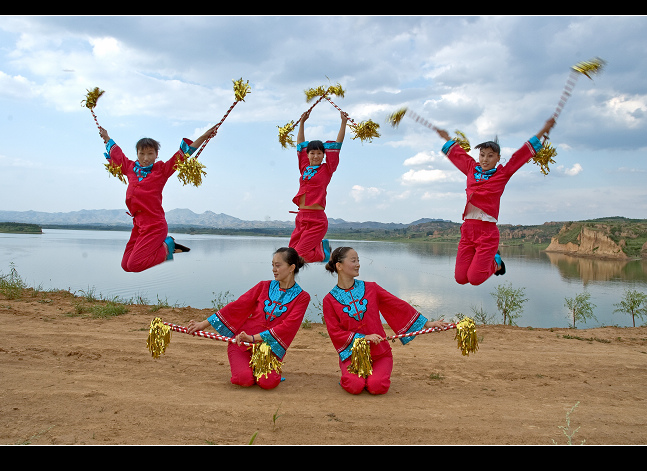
(115,171)
(462,141)
(366,130)
(545,157)
(589,68)
(395,118)
(159,336)
(361,362)
(263,361)
(241,89)
(321,91)
(466,336)
(190,170)
(285,136)
(92,97)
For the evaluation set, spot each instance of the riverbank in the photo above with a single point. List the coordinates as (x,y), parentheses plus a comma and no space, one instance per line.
(77,371)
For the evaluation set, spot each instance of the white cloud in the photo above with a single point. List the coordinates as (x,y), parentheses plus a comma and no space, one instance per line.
(361,193)
(421,177)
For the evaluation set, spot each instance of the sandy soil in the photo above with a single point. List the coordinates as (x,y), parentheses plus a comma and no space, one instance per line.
(70,379)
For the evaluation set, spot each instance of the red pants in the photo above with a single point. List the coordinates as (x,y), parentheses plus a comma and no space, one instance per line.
(310,227)
(376,383)
(146,247)
(242,373)
(476,250)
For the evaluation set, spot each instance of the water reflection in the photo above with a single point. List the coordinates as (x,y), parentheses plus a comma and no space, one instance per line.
(590,269)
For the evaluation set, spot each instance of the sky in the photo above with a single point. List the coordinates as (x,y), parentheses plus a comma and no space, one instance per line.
(171,77)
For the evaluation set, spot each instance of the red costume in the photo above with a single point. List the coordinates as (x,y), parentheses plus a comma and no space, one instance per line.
(267,311)
(146,247)
(479,241)
(355,313)
(311,225)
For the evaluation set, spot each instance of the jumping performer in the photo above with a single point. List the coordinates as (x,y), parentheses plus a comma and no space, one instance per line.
(271,312)
(311,222)
(352,311)
(149,243)
(478,257)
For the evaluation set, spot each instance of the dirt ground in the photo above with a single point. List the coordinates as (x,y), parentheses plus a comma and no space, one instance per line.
(71,379)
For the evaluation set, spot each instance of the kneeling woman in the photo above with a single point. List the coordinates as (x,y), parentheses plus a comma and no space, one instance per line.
(352,310)
(270,312)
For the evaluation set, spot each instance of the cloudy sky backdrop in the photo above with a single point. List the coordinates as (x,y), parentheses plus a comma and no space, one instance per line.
(170,77)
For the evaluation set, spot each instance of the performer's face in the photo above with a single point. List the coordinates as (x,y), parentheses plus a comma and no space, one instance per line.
(281,269)
(488,159)
(349,266)
(316,157)
(146,156)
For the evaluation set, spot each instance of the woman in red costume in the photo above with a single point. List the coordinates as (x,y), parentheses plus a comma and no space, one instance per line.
(149,243)
(352,310)
(270,312)
(311,223)
(478,258)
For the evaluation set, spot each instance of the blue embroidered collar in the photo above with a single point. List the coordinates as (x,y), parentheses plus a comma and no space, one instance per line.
(479,174)
(278,298)
(310,171)
(142,172)
(352,299)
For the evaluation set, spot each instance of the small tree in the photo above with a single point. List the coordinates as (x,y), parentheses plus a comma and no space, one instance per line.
(509,301)
(580,307)
(634,303)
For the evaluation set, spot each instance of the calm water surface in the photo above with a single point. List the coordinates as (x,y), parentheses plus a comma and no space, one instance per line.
(420,274)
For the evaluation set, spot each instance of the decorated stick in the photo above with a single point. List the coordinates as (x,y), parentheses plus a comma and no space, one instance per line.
(588,68)
(90,102)
(159,336)
(189,169)
(366,130)
(362,364)
(395,118)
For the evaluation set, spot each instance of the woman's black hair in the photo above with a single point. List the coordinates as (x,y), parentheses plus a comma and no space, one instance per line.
(292,257)
(315,145)
(494,145)
(147,142)
(337,255)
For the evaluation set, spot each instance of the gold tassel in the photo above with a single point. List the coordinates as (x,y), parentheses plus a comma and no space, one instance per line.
(366,130)
(263,361)
(190,170)
(395,118)
(321,91)
(115,171)
(462,141)
(241,89)
(159,336)
(91,98)
(593,66)
(361,362)
(285,136)
(545,157)
(466,336)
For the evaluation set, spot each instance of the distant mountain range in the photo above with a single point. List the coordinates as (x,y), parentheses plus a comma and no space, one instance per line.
(179,217)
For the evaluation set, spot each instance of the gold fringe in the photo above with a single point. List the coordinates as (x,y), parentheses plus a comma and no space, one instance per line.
(190,170)
(115,171)
(462,141)
(395,118)
(361,362)
(366,130)
(263,361)
(593,66)
(545,157)
(285,136)
(241,89)
(92,97)
(466,336)
(159,336)
(321,91)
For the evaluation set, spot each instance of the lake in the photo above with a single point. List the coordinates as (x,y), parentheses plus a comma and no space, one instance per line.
(421,274)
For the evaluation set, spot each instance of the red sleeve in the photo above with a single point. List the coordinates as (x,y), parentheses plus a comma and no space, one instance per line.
(341,339)
(461,159)
(234,314)
(398,314)
(288,324)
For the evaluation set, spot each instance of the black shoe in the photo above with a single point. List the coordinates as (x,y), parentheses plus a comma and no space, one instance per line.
(497,258)
(181,248)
